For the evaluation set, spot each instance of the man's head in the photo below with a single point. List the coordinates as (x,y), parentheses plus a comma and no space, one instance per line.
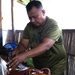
(36,13)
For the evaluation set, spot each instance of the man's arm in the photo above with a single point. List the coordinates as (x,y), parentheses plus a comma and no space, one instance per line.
(41,48)
(46,44)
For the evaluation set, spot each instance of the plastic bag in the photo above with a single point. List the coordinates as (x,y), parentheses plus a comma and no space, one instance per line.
(10,45)
(3,67)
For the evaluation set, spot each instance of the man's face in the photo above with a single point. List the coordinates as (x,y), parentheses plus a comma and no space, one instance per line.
(36,16)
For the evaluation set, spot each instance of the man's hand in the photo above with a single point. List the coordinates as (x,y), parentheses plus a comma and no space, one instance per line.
(16,61)
(15,52)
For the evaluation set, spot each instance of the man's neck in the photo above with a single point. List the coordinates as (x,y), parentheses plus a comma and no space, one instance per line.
(42,25)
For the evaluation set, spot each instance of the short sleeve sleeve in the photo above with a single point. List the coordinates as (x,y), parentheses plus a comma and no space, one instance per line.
(52,31)
(26,33)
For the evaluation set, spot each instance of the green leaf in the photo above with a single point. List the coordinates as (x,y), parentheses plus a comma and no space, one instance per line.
(25,2)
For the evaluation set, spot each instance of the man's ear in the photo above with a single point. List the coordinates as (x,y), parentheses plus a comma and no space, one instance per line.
(43,11)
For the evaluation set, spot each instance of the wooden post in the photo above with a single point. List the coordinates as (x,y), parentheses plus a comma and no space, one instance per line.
(0,16)
(12,20)
(1,40)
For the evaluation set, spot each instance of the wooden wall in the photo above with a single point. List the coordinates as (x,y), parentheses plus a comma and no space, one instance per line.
(69,43)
